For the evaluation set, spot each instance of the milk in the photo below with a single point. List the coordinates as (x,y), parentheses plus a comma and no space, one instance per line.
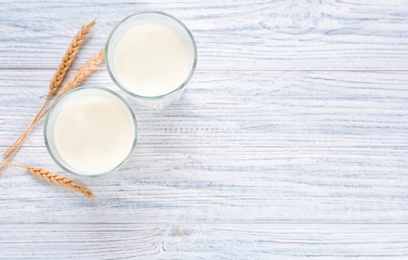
(94,133)
(152,60)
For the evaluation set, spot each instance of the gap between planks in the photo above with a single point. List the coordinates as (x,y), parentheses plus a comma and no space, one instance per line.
(244,146)
(245,70)
(209,222)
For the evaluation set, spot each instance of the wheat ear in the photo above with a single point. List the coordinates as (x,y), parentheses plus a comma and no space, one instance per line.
(59,75)
(72,83)
(56,179)
(69,57)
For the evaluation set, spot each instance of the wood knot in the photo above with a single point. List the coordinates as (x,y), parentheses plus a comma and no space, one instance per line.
(298,17)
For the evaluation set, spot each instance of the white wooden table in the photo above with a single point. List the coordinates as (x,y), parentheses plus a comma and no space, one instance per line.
(290,142)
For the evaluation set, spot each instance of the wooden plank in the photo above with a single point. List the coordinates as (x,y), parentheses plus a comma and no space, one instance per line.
(231,35)
(221,184)
(234,108)
(203,241)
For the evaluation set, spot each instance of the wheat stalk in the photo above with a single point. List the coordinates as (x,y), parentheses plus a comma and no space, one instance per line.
(59,75)
(79,76)
(56,179)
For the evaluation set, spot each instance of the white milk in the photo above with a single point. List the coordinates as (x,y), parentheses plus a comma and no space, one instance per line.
(152,60)
(94,133)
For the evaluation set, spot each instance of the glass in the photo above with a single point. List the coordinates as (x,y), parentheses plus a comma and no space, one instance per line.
(59,106)
(152,17)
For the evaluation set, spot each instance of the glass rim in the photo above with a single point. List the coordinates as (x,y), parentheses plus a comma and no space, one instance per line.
(182,85)
(51,152)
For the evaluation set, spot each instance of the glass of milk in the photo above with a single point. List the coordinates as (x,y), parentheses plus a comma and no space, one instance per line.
(90,131)
(151,56)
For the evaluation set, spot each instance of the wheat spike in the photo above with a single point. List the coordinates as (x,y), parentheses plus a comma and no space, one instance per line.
(69,57)
(59,180)
(56,179)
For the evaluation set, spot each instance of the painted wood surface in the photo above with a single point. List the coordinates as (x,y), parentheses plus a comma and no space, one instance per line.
(290,142)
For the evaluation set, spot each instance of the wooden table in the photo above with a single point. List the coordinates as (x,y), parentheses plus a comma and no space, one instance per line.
(290,142)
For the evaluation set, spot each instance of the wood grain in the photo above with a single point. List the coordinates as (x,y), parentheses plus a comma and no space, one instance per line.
(231,35)
(203,241)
